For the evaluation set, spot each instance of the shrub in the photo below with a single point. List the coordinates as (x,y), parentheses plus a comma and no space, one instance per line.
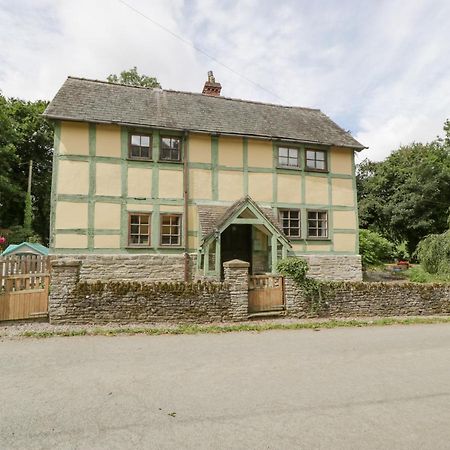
(374,248)
(296,268)
(433,253)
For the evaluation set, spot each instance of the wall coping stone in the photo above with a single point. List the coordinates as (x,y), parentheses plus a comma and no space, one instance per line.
(236,263)
(66,263)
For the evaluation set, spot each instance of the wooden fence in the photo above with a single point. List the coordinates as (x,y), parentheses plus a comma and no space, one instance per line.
(24,286)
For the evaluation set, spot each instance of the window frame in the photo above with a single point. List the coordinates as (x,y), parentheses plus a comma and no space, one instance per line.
(315,150)
(180,228)
(289,147)
(280,218)
(140,213)
(150,148)
(318,238)
(179,138)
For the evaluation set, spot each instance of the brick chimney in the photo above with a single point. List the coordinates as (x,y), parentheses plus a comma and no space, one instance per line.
(211,87)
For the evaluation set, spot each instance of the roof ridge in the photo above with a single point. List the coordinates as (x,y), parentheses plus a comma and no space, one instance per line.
(195,93)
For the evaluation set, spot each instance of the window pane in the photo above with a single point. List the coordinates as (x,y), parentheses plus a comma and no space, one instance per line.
(144,240)
(283,161)
(165,240)
(135,140)
(322,215)
(293,153)
(135,152)
(165,143)
(311,164)
(293,162)
(320,165)
(282,151)
(145,141)
(176,144)
(309,154)
(320,156)
(295,232)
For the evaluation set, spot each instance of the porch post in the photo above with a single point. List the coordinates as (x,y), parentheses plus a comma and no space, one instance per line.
(284,252)
(206,261)
(274,253)
(218,268)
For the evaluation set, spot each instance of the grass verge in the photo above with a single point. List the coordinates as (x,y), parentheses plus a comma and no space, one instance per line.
(215,329)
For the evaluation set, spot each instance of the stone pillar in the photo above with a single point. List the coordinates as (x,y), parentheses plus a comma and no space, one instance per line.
(64,277)
(236,277)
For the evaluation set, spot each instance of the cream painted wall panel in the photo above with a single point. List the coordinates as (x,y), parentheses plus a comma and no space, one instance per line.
(231,152)
(260,186)
(106,241)
(260,153)
(344,219)
(107,141)
(70,241)
(136,207)
(297,247)
(171,208)
(139,182)
(73,177)
(342,192)
(193,218)
(200,148)
(341,161)
(344,242)
(317,248)
(200,184)
(289,188)
(107,215)
(231,185)
(170,184)
(71,215)
(74,138)
(107,180)
(316,190)
(193,242)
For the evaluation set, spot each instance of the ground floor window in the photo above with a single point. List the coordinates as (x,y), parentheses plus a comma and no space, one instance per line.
(290,221)
(171,229)
(139,229)
(317,224)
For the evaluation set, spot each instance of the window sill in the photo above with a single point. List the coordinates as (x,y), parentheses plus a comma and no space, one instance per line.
(307,169)
(289,168)
(140,159)
(170,161)
(318,239)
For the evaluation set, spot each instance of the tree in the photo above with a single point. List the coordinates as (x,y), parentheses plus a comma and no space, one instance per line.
(133,78)
(407,196)
(25,135)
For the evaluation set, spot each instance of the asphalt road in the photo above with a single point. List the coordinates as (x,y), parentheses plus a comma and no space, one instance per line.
(359,388)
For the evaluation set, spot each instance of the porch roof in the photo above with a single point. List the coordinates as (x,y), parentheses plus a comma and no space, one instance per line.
(213,217)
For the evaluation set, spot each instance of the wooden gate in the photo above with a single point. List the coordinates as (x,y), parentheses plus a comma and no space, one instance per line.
(24,283)
(266,293)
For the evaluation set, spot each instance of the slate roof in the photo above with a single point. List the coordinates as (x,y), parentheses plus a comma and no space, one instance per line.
(101,102)
(212,217)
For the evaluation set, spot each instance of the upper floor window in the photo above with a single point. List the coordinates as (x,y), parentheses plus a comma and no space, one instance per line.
(290,221)
(139,229)
(317,224)
(288,157)
(316,159)
(170,229)
(140,147)
(170,149)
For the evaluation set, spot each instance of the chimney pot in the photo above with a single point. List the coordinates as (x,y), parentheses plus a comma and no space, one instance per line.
(211,87)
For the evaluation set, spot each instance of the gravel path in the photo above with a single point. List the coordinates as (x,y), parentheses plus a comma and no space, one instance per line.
(17,330)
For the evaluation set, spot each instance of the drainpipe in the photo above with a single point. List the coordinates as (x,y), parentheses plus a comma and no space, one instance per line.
(186,206)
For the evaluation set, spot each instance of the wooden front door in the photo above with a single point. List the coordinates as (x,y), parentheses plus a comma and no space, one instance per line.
(266,293)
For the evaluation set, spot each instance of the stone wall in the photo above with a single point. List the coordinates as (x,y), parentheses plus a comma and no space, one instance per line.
(359,299)
(154,267)
(334,267)
(78,296)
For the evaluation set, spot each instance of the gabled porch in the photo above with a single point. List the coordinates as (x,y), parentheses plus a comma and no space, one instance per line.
(242,231)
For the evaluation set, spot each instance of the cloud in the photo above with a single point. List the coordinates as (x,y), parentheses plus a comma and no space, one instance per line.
(379,69)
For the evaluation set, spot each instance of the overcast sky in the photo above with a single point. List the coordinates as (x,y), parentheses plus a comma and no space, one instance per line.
(380,69)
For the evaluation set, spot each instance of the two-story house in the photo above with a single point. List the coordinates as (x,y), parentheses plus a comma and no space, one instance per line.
(186,181)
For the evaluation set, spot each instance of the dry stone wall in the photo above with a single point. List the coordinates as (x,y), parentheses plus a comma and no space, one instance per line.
(360,299)
(334,267)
